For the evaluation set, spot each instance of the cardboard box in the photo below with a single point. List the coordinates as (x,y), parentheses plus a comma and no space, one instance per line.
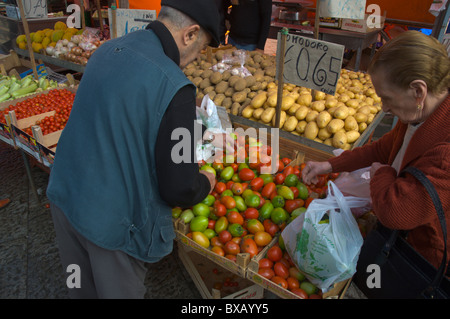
(335,23)
(214,281)
(360,25)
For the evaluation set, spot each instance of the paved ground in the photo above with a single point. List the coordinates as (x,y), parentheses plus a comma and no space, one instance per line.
(29,260)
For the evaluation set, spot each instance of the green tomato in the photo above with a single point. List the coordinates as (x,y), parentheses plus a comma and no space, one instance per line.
(291,180)
(187,215)
(303,192)
(297,212)
(267,178)
(221,224)
(240,203)
(278,201)
(227,192)
(199,223)
(209,200)
(266,210)
(208,168)
(279,215)
(252,200)
(201,209)
(209,233)
(227,173)
(308,287)
(176,212)
(286,192)
(236,230)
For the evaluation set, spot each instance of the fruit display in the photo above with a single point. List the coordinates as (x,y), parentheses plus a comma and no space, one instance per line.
(337,121)
(58,100)
(12,88)
(64,43)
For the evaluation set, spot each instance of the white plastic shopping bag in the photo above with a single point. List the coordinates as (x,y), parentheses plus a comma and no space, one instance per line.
(325,241)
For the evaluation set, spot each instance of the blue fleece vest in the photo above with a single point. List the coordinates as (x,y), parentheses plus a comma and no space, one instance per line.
(104,175)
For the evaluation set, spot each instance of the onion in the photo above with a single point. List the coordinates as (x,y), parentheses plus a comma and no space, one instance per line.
(65,41)
(50,50)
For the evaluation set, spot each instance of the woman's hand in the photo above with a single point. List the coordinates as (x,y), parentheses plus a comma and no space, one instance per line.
(220,140)
(312,169)
(211,177)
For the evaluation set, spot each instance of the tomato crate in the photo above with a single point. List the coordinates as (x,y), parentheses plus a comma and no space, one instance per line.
(242,259)
(336,292)
(214,281)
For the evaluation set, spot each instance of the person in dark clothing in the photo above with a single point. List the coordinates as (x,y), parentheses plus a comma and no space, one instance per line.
(117,172)
(249,22)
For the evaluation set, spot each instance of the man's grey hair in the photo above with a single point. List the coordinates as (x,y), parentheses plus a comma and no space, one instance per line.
(176,18)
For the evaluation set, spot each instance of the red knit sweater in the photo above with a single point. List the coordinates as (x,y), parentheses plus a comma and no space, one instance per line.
(401,202)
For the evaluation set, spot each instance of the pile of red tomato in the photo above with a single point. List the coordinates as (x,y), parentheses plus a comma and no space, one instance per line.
(278,267)
(58,100)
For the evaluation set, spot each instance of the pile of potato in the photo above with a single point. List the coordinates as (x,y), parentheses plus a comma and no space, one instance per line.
(337,120)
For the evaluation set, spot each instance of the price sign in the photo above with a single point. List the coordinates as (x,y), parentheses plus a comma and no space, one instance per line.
(35,8)
(129,20)
(311,63)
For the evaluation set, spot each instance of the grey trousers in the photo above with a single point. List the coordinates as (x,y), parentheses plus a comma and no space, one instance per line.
(103,273)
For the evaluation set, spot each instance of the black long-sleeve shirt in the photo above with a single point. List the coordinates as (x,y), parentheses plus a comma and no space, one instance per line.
(249,21)
(179,184)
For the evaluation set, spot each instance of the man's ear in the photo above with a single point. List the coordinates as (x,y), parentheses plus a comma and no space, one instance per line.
(190,34)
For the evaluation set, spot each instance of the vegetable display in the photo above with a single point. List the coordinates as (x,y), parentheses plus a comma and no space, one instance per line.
(12,88)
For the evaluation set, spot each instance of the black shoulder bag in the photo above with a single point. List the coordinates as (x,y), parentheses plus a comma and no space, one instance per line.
(390,268)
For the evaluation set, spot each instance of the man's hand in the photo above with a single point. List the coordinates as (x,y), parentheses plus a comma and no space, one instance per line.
(211,177)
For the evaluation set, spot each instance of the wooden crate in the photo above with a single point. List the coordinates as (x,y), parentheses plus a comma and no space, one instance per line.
(336,292)
(214,281)
(289,143)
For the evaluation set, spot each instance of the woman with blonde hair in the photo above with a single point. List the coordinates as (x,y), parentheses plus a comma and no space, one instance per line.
(411,75)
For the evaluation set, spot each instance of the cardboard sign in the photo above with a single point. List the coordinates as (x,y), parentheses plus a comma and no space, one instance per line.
(5,134)
(26,142)
(311,63)
(35,8)
(129,20)
(349,9)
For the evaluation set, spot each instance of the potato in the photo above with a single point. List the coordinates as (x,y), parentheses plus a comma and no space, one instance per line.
(207,73)
(204,83)
(250,80)
(341,112)
(354,103)
(290,124)
(311,116)
(362,127)
(272,99)
(229,92)
(364,110)
(287,102)
(293,109)
(215,78)
(218,99)
(323,118)
(189,71)
(301,112)
(335,125)
(267,115)
(235,107)
(339,139)
(318,106)
(226,75)
(300,128)
(233,79)
(227,102)
(259,100)
(352,136)
(271,71)
(197,72)
(360,117)
(247,112)
(240,85)
(208,89)
(305,99)
(311,130)
(197,80)
(330,102)
(259,75)
(323,134)
(282,119)
(350,123)
(221,87)
(318,95)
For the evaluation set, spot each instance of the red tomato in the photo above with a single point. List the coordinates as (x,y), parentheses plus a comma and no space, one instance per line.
(246,174)
(225,236)
(237,188)
(228,201)
(300,292)
(219,209)
(291,204)
(270,227)
(281,270)
(279,178)
(231,248)
(274,253)
(280,281)
(308,201)
(293,283)
(286,161)
(266,273)
(256,184)
(211,224)
(235,217)
(251,213)
(265,263)
(288,170)
(248,245)
(220,187)
(268,189)
(262,238)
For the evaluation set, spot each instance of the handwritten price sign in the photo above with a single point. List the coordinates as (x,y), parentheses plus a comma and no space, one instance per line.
(129,20)
(35,8)
(311,63)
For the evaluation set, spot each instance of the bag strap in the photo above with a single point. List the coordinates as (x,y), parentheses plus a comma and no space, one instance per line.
(430,290)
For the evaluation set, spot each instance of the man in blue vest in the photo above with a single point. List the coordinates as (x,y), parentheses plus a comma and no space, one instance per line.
(115,176)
